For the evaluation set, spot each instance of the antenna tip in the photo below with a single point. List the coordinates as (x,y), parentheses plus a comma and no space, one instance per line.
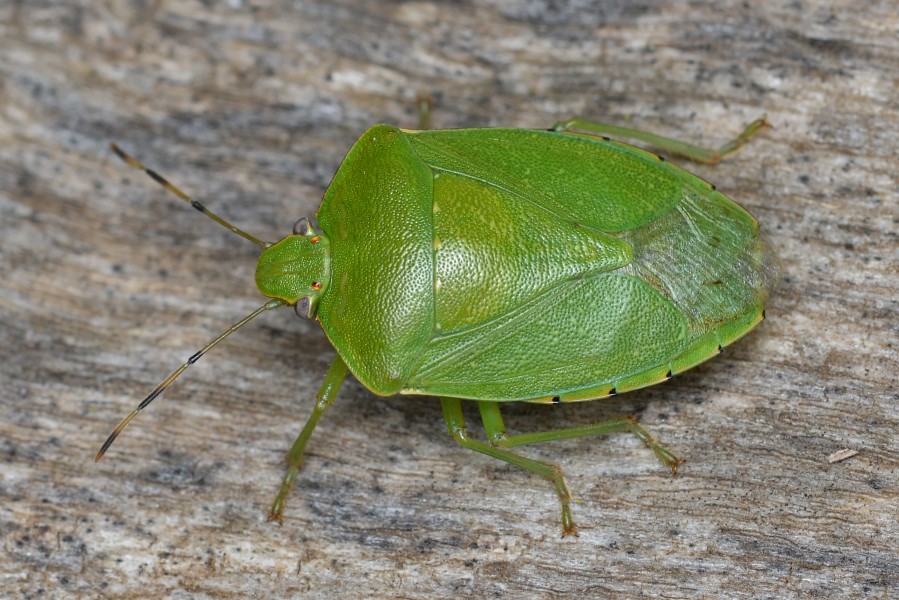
(106,446)
(118,151)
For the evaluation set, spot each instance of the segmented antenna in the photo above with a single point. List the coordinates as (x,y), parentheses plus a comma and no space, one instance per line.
(133,162)
(270,305)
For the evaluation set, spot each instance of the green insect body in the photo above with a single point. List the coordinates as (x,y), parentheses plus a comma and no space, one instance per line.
(502,265)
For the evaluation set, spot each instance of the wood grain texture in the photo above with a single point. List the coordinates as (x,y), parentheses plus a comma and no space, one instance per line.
(106,284)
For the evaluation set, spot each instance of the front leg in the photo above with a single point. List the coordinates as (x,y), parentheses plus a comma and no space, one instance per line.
(323,400)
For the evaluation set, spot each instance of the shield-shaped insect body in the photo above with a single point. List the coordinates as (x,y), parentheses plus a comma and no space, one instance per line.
(500,265)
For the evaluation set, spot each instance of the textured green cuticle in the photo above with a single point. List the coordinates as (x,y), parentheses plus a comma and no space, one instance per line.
(298,266)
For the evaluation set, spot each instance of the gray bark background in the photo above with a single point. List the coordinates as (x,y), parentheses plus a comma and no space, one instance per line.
(107,283)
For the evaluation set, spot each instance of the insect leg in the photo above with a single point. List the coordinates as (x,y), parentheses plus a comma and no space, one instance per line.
(496,432)
(452,412)
(425,102)
(712,156)
(325,397)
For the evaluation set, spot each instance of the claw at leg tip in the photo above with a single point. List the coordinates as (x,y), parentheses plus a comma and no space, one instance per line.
(570,530)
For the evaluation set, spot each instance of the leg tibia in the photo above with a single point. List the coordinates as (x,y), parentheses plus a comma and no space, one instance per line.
(325,397)
(452,412)
(496,433)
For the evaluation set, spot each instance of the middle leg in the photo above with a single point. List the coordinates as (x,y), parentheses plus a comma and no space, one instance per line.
(452,412)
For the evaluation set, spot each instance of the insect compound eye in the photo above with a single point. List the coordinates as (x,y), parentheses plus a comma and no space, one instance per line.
(301,227)
(303,307)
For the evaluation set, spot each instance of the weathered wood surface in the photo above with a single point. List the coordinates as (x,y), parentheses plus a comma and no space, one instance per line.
(106,283)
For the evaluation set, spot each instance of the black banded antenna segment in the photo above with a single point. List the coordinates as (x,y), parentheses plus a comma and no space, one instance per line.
(136,164)
(159,389)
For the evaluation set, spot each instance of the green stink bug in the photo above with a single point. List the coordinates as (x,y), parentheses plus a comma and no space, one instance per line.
(502,265)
